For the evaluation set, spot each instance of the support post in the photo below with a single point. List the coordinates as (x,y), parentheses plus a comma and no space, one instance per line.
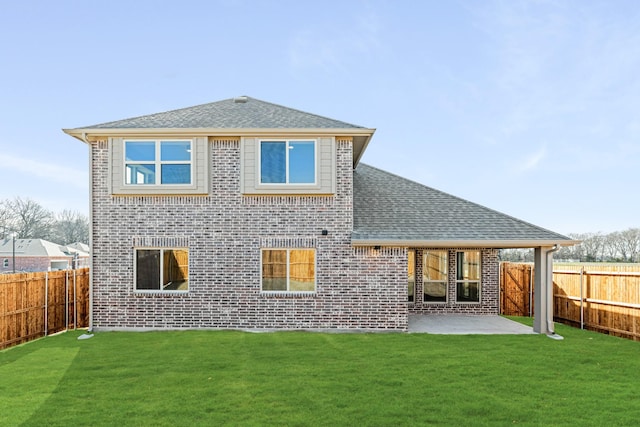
(543,292)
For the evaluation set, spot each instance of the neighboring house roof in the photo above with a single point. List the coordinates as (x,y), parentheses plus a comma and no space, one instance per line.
(79,247)
(391,210)
(237,116)
(33,247)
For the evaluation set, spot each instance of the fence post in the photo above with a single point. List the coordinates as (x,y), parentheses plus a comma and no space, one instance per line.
(66,300)
(581,297)
(75,303)
(46,303)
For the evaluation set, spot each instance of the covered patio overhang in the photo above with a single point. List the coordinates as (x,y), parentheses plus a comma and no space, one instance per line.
(543,266)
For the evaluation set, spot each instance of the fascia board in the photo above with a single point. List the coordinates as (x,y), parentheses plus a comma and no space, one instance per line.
(92,134)
(498,244)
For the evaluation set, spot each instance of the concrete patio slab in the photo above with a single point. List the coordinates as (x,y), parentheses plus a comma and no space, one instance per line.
(465,325)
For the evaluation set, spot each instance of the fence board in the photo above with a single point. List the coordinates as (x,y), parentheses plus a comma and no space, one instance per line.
(36,304)
(515,289)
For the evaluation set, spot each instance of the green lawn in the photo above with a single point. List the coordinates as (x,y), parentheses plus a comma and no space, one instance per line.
(296,378)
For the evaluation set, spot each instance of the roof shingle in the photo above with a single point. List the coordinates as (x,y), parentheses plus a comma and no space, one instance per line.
(392,208)
(230,114)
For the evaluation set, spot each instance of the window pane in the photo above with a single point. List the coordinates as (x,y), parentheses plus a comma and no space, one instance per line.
(140,151)
(175,150)
(412,274)
(274,270)
(468,265)
(435,291)
(302,270)
(148,269)
(175,174)
(273,162)
(175,272)
(140,174)
(468,292)
(302,162)
(435,265)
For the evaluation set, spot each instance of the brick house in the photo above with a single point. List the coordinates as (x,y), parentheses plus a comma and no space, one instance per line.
(40,255)
(246,214)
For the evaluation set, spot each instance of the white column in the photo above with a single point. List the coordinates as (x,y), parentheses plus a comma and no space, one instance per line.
(543,291)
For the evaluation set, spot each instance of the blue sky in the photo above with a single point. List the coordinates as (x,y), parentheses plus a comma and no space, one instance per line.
(531,108)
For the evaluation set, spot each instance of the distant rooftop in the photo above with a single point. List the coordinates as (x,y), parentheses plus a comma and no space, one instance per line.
(37,247)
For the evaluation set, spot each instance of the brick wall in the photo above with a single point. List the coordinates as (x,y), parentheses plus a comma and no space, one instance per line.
(31,263)
(489,292)
(360,288)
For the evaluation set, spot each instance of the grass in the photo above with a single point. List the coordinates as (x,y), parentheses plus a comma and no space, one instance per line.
(297,378)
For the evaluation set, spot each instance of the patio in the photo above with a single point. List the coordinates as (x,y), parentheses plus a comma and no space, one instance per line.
(465,325)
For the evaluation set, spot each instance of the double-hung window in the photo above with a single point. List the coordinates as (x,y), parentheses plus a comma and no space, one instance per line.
(288,162)
(158,162)
(159,269)
(288,270)
(5,263)
(435,267)
(468,276)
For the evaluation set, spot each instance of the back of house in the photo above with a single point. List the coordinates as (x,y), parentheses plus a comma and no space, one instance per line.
(247,214)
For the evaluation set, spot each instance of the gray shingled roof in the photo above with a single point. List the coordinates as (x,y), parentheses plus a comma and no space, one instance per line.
(391,208)
(229,114)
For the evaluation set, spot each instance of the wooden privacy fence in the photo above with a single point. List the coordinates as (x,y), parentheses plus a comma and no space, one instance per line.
(599,297)
(516,289)
(34,305)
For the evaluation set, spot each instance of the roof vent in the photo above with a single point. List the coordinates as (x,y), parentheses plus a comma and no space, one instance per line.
(240,99)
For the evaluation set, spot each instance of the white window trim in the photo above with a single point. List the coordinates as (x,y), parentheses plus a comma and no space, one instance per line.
(288,292)
(479,281)
(446,281)
(158,163)
(158,291)
(5,263)
(287,183)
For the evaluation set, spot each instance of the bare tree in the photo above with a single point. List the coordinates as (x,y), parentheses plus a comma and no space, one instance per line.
(592,245)
(610,249)
(70,227)
(30,219)
(628,244)
(6,224)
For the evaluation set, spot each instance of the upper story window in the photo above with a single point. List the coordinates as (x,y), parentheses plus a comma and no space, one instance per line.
(288,162)
(158,162)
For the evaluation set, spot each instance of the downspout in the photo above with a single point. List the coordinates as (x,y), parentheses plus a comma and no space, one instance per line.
(549,255)
(86,141)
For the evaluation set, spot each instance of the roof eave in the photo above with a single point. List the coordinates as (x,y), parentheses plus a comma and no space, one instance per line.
(93,133)
(497,244)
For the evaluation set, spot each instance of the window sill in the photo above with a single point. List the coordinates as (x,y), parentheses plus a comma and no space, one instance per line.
(172,294)
(285,294)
